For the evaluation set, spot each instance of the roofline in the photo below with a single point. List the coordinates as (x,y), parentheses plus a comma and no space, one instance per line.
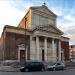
(43,12)
(24,15)
(32,7)
(65,37)
(12,27)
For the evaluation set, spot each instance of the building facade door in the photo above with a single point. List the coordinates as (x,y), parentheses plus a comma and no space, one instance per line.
(22,55)
(43,55)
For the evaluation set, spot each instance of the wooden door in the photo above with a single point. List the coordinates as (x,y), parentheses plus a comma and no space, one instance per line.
(43,55)
(22,55)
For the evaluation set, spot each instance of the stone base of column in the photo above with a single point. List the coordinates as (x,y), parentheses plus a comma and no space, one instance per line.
(52,59)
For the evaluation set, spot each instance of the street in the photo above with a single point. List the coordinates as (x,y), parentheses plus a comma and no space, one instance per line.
(65,72)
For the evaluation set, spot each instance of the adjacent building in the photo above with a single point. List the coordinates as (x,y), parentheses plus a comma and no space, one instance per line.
(72,53)
(35,38)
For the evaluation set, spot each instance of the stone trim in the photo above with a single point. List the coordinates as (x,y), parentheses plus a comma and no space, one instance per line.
(19,53)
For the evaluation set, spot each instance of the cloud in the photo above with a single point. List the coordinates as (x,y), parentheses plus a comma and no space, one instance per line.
(70,17)
(70,32)
(8,15)
(56,10)
(11,13)
(66,21)
(21,5)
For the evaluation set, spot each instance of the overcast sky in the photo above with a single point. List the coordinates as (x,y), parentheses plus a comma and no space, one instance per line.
(12,11)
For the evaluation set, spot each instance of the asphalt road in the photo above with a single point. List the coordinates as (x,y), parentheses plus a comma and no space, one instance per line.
(66,72)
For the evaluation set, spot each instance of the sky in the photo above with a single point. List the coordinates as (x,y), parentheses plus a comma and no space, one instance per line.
(12,12)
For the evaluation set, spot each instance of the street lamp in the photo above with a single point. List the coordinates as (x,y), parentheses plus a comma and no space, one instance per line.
(25,36)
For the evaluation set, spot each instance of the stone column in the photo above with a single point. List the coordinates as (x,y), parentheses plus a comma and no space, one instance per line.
(37,48)
(53,51)
(45,48)
(31,48)
(59,50)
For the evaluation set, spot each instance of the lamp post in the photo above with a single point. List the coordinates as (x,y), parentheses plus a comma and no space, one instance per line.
(3,51)
(25,37)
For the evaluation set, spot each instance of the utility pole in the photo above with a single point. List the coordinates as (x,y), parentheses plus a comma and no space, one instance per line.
(3,50)
(25,20)
(3,47)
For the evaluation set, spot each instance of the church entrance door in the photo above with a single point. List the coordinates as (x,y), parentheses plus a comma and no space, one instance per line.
(22,55)
(43,55)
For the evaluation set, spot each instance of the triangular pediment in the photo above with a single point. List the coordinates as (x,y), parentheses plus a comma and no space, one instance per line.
(44,9)
(49,28)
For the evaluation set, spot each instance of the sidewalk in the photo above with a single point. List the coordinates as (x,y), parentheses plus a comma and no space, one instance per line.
(8,69)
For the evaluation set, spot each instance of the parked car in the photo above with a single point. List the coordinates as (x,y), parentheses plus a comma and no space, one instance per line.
(56,66)
(33,66)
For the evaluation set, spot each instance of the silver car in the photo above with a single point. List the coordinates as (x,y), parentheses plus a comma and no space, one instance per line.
(56,66)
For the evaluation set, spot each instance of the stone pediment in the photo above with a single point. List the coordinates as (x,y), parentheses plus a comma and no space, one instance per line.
(49,28)
(44,9)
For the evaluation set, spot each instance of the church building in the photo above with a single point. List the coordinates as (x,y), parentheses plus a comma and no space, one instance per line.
(35,38)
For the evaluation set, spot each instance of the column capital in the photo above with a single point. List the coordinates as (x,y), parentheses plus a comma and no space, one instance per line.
(53,41)
(45,37)
(53,38)
(59,39)
(37,36)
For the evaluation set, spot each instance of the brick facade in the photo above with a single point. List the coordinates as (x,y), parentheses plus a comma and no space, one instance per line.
(28,21)
(12,41)
(65,47)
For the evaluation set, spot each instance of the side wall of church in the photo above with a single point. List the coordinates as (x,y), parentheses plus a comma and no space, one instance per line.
(65,47)
(1,48)
(12,41)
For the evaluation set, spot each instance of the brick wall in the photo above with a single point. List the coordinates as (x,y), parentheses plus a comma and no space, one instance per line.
(65,47)
(1,47)
(28,21)
(12,41)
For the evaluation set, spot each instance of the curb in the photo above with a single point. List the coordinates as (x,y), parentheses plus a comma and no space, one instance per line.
(8,71)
